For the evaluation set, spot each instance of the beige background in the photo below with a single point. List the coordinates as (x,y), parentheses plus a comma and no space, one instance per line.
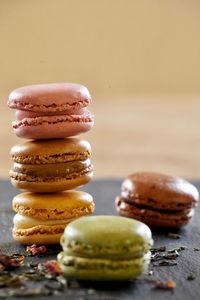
(112,46)
(140,60)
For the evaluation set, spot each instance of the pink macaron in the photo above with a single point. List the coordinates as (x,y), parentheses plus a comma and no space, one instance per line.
(55,110)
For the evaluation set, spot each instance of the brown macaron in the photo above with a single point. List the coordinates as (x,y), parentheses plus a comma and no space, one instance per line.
(51,165)
(158,200)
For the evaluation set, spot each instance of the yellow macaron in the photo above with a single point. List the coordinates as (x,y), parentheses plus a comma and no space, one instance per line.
(42,218)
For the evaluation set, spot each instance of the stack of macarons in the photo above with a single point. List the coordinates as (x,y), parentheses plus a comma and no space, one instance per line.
(52,161)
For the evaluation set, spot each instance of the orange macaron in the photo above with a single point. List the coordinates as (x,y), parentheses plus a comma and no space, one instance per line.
(42,218)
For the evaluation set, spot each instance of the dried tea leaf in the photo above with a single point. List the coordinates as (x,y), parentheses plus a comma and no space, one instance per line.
(10,280)
(163,263)
(174,235)
(178,249)
(191,277)
(168,256)
(54,285)
(160,249)
(72,284)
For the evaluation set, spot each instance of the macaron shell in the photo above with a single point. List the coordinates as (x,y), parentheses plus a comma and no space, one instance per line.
(106,236)
(53,97)
(102,269)
(154,189)
(26,222)
(52,186)
(49,127)
(51,151)
(54,206)
(154,218)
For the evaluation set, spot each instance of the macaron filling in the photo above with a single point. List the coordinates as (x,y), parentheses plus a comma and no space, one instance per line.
(128,250)
(48,172)
(174,209)
(100,263)
(126,209)
(22,114)
(27,226)
(168,205)
(86,117)
(24,222)
(39,230)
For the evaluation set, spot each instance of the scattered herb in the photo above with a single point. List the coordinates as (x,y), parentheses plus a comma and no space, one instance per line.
(167,256)
(178,249)
(34,250)
(174,235)
(91,292)
(73,284)
(166,285)
(163,263)
(161,249)
(196,249)
(25,293)
(54,285)
(191,277)
(10,280)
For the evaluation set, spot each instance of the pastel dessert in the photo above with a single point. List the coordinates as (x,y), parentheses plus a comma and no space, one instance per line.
(51,165)
(105,248)
(55,110)
(42,218)
(158,200)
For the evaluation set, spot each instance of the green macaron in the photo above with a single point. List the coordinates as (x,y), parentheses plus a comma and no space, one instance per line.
(105,248)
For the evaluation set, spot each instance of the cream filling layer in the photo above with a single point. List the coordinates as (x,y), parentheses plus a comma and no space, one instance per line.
(24,222)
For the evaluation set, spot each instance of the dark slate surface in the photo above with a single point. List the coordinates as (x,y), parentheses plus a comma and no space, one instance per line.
(104,192)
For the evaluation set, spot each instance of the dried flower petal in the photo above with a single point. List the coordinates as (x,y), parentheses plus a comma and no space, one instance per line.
(167,285)
(2,267)
(35,250)
(53,267)
(12,261)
